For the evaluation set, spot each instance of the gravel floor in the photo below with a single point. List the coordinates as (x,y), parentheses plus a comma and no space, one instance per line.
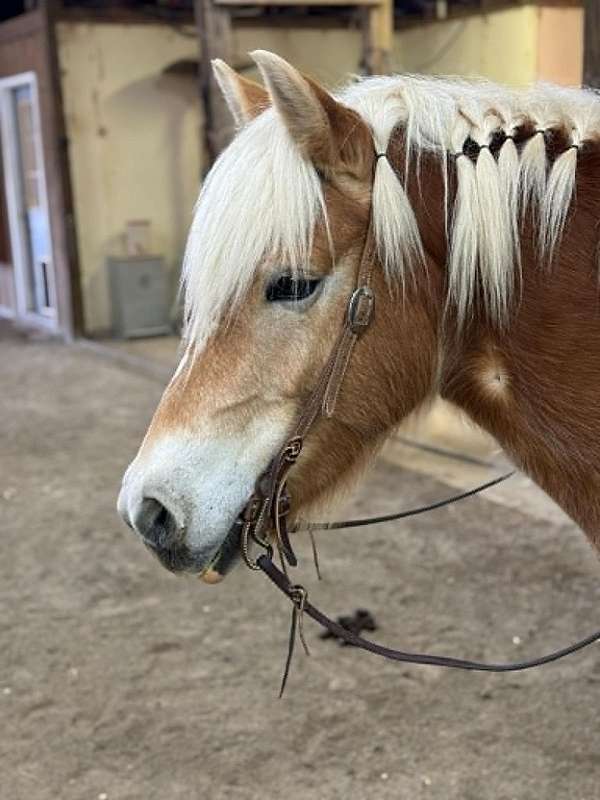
(120,682)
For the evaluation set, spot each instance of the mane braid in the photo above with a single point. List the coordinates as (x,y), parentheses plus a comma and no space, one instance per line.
(472,126)
(262,198)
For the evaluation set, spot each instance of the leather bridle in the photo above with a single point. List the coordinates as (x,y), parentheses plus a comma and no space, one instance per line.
(269,506)
(264,518)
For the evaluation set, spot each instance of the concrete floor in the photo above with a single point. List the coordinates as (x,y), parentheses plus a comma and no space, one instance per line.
(118,681)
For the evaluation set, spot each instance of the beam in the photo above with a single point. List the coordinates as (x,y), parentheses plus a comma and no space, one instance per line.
(214,34)
(591,43)
(379,37)
(68,279)
(297,3)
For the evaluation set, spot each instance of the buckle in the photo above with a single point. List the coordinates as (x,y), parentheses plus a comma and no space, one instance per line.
(360,309)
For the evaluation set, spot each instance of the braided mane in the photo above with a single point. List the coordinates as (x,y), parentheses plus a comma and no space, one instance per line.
(514,152)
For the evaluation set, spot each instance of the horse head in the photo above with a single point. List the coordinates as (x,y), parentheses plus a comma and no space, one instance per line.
(271,260)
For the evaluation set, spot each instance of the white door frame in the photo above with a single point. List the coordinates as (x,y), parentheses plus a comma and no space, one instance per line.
(47,317)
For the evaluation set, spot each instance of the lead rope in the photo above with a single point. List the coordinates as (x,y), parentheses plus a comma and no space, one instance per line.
(298,594)
(279,579)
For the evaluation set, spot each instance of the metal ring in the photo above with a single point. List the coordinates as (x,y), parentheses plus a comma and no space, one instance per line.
(298,595)
(293,449)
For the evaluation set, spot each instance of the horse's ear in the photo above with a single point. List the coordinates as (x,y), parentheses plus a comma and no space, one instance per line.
(245,99)
(332,135)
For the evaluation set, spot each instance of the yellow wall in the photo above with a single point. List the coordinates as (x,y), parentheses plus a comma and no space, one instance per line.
(133,142)
(135,133)
(500,46)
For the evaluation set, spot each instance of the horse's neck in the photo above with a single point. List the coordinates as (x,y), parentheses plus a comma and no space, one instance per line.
(536,387)
(427,194)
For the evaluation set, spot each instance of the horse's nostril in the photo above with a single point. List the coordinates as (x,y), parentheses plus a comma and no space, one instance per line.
(162,517)
(157,524)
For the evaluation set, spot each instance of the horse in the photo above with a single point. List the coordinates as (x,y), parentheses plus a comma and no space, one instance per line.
(476,210)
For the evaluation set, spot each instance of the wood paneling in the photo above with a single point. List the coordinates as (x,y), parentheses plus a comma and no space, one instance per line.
(591,48)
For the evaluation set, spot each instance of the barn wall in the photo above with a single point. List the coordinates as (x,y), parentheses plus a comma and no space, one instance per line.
(499,45)
(134,141)
(134,132)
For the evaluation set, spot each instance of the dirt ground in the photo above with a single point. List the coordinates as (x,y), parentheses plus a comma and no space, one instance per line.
(119,681)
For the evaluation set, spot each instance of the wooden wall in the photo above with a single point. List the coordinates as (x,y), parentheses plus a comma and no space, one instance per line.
(24,47)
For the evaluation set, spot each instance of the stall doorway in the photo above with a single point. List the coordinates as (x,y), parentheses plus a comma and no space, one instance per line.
(27,283)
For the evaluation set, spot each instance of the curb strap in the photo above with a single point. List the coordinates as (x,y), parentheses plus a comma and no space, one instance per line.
(280,580)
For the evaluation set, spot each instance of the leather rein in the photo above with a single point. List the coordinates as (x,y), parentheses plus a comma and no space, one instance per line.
(264,518)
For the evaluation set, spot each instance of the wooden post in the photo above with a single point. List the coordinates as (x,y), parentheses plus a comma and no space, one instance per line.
(591,43)
(379,37)
(441,9)
(214,34)
(61,191)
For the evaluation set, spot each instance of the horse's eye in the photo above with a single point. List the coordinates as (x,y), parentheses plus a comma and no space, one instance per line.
(288,289)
